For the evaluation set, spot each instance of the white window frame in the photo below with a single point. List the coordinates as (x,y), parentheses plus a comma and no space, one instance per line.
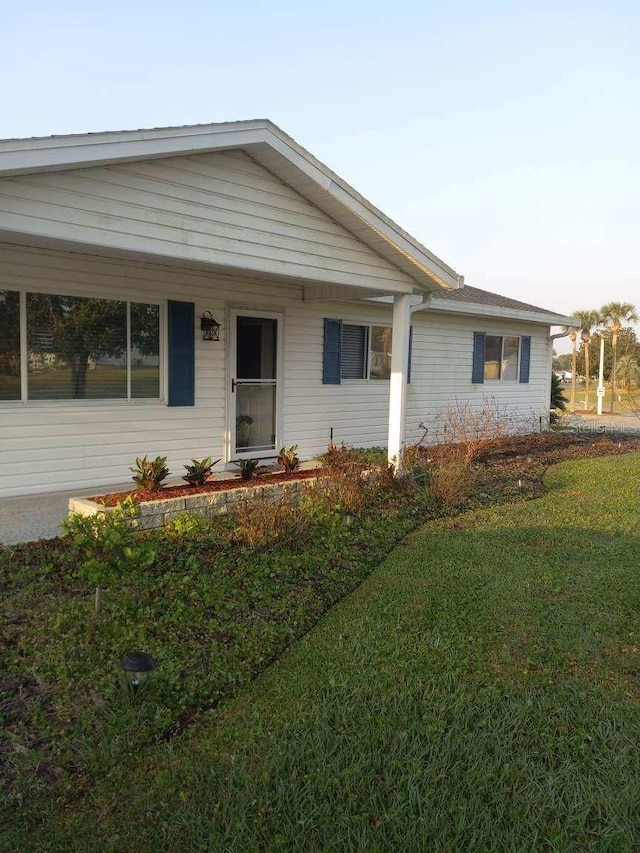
(367,353)
(502,336)
(97,401)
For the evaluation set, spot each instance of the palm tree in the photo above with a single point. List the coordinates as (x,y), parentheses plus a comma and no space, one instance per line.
(588,321)
(615,315)
(628,372)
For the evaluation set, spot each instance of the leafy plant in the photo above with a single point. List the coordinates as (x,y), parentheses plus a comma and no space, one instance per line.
(247,467)
(107,544)
(288,459)
(558,402)
(149,473)
(200,472)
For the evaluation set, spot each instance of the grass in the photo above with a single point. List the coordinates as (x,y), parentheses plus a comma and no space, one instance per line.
(478,692)
(623,404)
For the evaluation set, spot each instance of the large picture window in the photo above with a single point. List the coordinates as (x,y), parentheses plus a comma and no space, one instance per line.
(80,348)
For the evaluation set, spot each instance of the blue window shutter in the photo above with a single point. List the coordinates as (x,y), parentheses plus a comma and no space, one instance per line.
(525,358)
(181,336)
(477,370)
(332,354)
(410,349)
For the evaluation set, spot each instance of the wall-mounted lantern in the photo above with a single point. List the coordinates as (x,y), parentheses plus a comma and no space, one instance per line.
(209,327)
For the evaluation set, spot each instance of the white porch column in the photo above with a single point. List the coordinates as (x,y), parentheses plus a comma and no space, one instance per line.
(398,384)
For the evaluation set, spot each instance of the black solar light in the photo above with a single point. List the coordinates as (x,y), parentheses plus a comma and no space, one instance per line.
(137,666)
(348,516)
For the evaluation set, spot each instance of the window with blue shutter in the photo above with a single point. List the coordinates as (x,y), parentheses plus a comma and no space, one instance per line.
(181,355)
(358,351)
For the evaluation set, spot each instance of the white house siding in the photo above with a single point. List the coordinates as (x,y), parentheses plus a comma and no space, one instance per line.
(441,373)
(84,444)
(221,208)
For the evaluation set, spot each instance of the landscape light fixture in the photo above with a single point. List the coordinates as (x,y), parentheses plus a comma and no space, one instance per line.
(348,516)
(137,666)
(209,326)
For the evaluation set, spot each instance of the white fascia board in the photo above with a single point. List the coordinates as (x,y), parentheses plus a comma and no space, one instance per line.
(443,306)
(60,153)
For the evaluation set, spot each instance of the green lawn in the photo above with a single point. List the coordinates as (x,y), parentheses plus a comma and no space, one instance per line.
(622,405)
(480,691)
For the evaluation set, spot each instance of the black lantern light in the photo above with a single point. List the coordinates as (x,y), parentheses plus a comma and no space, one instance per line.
(137,666)
(209,327)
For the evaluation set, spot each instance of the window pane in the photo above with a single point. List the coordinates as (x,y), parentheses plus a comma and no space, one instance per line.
(354,348)
(256,417)
(510,359)
(256,347)
(380,367)
(76,348)
(145,350)
(9,345)
(492,356)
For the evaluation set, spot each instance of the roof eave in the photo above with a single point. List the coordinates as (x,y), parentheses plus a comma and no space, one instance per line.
(270,146)
(474,309)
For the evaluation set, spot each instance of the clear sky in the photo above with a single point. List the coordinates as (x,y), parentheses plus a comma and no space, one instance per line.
(504,135)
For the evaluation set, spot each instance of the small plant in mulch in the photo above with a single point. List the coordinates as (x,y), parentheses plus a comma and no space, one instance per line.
(248,468)
(200,472)
(148,474)
(288,459)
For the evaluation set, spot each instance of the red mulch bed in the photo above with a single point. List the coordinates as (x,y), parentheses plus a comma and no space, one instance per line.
(217,486)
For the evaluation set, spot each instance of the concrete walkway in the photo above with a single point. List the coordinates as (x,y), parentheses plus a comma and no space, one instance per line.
(606,423)
(31,517)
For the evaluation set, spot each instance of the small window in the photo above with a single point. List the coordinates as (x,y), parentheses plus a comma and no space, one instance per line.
(501,358)
(366,352)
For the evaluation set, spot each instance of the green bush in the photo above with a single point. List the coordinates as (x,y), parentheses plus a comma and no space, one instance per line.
(107,544)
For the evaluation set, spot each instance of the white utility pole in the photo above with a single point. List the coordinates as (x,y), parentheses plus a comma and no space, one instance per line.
(601,377)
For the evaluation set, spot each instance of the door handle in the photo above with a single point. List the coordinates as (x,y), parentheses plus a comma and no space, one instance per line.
(233,386)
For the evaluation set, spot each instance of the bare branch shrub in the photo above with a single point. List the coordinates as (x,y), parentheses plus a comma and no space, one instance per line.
(468,431)
(264,521)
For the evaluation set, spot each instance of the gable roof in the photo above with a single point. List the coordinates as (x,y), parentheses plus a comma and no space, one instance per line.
(268,145)
(473,300)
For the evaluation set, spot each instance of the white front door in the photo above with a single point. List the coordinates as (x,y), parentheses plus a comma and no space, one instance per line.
(256,368)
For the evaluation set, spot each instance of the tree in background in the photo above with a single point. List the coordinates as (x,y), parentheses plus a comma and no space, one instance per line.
(615,315)
(588,321)
(628,372)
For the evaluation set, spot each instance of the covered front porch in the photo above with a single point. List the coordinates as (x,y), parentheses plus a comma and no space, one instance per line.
(162,230)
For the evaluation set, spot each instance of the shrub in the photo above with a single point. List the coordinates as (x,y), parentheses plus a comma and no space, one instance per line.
(288,459)
(452,481)
(149,474)
(200,472)
(264,521)
(468,431)
(107,544)
(342,478)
